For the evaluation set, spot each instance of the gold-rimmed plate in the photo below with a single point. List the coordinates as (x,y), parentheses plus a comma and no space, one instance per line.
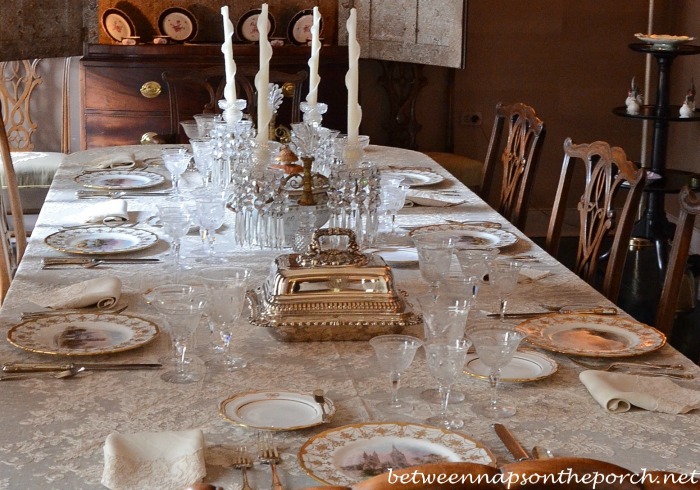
(101,240)
(415,177)
(526,365)
(274,410)
(82,334)
(119,180)
(345,455)
(592,335)
(470,236)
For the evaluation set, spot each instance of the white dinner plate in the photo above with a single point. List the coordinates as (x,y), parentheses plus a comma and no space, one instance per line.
(82,334)
(120,179)
(396,255)
(592,335)
(101,240)
(274,410)
(345,455)
(525,366)
(470,235)
(415,177)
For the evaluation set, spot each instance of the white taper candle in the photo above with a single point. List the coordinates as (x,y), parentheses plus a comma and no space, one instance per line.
(229,63)
(314,78)
(352,80)
(262,79)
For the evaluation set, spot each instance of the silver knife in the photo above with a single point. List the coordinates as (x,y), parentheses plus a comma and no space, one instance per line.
(587,311)
(86,260)
(18,367)
(511,442)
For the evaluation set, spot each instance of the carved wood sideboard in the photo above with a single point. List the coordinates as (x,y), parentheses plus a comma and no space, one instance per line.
(123,95)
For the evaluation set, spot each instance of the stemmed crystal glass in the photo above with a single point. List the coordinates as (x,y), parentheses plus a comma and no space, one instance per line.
(395,353)
(393,199)
(474,263)
(176,221)
(434,257)
(182,307)
(211,212)
(495,345)
(176,161)
(202,150)
(503,277)
(446,363)
(226,290)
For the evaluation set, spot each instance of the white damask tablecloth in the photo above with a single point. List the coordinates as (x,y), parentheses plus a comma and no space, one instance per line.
(52,431)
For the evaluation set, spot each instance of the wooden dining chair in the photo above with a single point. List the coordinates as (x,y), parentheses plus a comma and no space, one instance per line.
(7,261)
(19,233)
(518,154)
(606,170)
(199,91)
(678,257)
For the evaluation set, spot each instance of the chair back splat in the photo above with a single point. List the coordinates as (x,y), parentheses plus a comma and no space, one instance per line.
(606,169)
(518,155)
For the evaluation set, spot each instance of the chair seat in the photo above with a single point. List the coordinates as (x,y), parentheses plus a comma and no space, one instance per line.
(465,169)
(34,168)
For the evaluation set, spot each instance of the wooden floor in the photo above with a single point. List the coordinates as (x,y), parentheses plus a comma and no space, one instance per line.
(641,286)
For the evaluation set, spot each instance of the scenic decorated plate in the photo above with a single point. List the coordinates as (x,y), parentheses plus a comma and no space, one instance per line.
(346,455)
(118,180)
(82,334)
(101,240)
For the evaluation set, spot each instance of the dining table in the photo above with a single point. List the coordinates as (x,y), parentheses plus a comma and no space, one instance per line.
(53,431)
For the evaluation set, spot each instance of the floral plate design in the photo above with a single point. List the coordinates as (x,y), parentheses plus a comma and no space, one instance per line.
(119,180)
(247,28)
(82,334)
(299,29)
(345,455)
(117,24)
(178,24)
(592,335)
(101,240)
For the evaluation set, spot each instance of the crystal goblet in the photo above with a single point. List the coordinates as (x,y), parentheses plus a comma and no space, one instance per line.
(176,161)
(495,345)
(226,290)
(176,221)
(446,363)
(395,353)
(503,277)
(181,305)
(393,199)
(474,263)
(202,151)
(205,123)
(434,256)
(211,212)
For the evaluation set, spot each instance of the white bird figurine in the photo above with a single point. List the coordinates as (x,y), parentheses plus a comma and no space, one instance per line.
(634,99)
(688,107)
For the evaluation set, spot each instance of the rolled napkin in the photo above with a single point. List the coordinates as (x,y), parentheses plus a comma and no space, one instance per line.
(102,292)
(617,392)
(144,460)
(109,212)
(116,161)
(432,198)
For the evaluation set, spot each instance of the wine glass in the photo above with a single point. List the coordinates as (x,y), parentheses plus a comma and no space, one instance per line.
(395,353)
(446,363)
(495,345)
(211,212)
(393,199)
(176,161)
(474,263)
(182,307)
(503,277)
(226,290)
(205,123)
(176,222)
(202,149)
(434,256)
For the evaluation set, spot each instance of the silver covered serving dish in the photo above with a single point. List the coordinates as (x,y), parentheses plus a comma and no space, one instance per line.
(330,294)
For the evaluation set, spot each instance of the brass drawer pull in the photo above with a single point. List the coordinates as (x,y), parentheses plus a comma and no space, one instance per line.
(150,90)
(152,138)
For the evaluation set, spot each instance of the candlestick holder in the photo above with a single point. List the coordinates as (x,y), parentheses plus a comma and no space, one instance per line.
(233,111)
(313,113)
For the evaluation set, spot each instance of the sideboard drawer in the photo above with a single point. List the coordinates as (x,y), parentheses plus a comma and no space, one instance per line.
(122,129)
(120,89)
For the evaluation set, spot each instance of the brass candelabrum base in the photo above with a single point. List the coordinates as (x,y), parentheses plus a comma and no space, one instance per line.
(307,195)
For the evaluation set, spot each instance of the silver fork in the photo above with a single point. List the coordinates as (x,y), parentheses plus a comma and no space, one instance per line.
(269,454)
(642,368)
(242,461)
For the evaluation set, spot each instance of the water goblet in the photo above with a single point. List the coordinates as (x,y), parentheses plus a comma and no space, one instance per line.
(446,363)
(503,277)
(176,222)
(226,290)
(211,212)
(205,123)
(393,199)
(202,151)
(434,256)
(495,345)
(191,128)
(474,264)
(181,305)
(395,353)
(176,161)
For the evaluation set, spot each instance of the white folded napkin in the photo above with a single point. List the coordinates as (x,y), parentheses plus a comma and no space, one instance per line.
(434,199)
(102,292)
(528,275)
(121,161)
(617,392)
(146,460)
(111,211)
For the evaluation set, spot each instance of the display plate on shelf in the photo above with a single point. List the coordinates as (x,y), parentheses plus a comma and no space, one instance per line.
(299,28)
(120,180)
(101,240)
(247,28)
(82,334)
(592,335)
(117,24)
(415,177)
(525,366)
(663,41)
(177,23)
(346,455)
(274,410)
(470,235)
